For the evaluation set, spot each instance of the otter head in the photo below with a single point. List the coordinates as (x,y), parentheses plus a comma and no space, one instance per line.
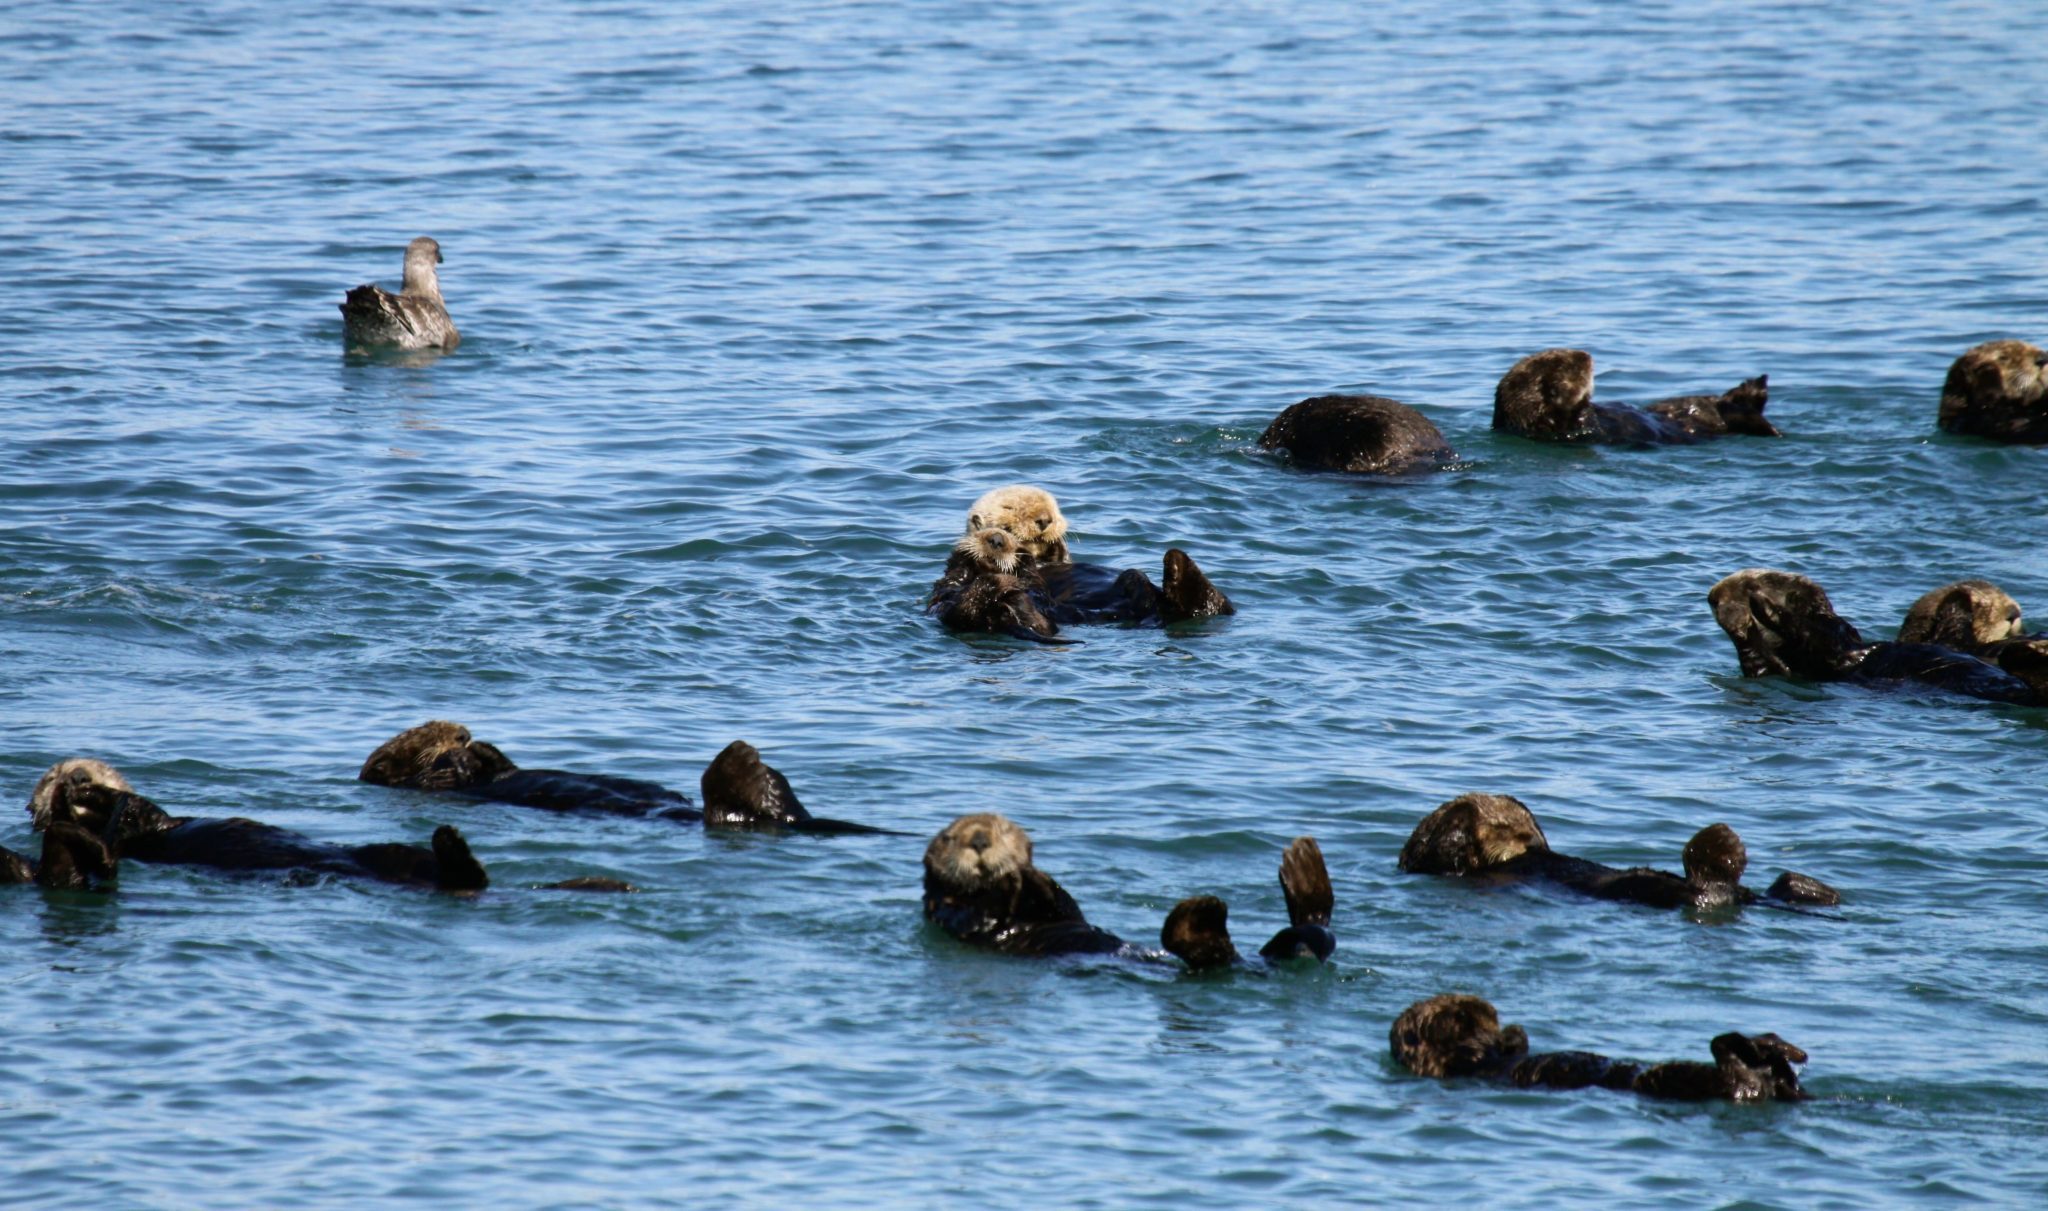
(420,276)
(1998,389)
(1198,930)
(1547,396)
(989,549)
(1783,625)
(437,755)
(74,791)
(978,852)
(1715,855)
(1454,1035)
(1472,833)
(1966,615)
(1031,516)
(1757,1067)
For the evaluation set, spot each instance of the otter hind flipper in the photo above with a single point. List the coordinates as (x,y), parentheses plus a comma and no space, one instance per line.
(1305,881)
(1742,409)
(742,791)
(1198,931)
(1791,887)
(457,868)
(1187,593)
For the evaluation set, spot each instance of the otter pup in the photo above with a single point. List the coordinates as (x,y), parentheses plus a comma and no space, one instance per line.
(1783,625)
(1029,514)
(442,756)
(73,859)
(1366,434)
(997,603)
(1497,835)
(1455,1035)
(1198,928)
(1548,396)
(741,791)
(1971,616)
(414,318)
(981,887)
(1999,390)
(91,795)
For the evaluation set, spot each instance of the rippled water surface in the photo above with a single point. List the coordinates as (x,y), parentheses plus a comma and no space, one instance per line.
(755,300)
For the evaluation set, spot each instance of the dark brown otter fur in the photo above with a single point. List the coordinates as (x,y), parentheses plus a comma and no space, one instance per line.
(1548,396)
(980,886)
(1455,1035)
(72,859)
(1366,434)
(1998,390)
(997,603)
(1783,625)
(741,791)
(443,756)
(1198,928)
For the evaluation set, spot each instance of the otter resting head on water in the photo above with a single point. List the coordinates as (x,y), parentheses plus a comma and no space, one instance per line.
(1999,390)
(1973,616)
(1548,396)
(443,756)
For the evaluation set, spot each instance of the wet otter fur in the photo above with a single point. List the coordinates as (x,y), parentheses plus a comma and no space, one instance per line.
(72,859)
(90,795)
(1363,434)
(996,603)
(1198,928)
(1027,513)
(1971,616)
(1998,390)
(1497,835)
(443,756)
(1548,396)
(741,791)
(1783,625)
(414,318)
(980,886)
(1456,1035)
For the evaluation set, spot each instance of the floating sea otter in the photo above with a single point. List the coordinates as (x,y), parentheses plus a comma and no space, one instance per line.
(1971,616)
(1455,1035)
(1497,835)
(981,887)
(1783,625)
(1999,390)
(1365,434)
(93,796)
(72,858)
(1198,927)
(1548,396)
(414,318)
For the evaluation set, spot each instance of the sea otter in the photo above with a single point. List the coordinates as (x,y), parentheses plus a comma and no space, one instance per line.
(980,886)
(442,756)
(1198,927)
(741,791)
(1975,617)
(1497,835)
(1454,1035)
(1548,396)
(1367,434)
(1783,625)
(1027,513)
(1999,390)
(72,859)
(414,318)
(93,796)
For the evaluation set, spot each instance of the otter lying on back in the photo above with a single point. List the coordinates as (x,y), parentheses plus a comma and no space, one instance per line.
(92,796)
(1198,927)
(1999,390)
(1496,834)
(1783,625)
(1455,1035)
(981,887)
(1974,617)
(1364,434)
(1548,396)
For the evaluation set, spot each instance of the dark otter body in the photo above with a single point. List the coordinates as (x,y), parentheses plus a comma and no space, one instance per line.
(1783,625)
(1198,928)
(981,887)
(1548,396)
(1497,835)
(994,602)
(1998,390)
(741,791)
(72,859)
(1365,434)
(1459,1036)
(1038,599)
(442,756)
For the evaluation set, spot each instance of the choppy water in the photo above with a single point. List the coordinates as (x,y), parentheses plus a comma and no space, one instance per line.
(755,300)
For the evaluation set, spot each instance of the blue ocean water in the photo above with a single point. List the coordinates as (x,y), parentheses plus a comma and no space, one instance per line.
(755,300)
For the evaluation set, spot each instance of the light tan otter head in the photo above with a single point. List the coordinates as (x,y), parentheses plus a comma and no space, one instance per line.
(1966,615)
(1030,515)
(1547,396)
(1472,833)
(421,278)
(1998,389)
(977,852)
(1715,855)
(1454,1035)
(1782,625)
(990,549)
(52,800)
(437,755)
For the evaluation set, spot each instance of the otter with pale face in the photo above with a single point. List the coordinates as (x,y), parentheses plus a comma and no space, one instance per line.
(443,756)
(1973,616)
(1027,513)
(1456,1035)
(1998,390)
(1783,625)
(1363,434)
(1497,836)
(1198,928)
(414,318)
(1548,396)
(980,886)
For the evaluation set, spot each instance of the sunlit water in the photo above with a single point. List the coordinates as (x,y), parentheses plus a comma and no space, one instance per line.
(755,300)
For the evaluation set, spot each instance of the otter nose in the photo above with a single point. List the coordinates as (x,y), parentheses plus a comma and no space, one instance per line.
(978,840)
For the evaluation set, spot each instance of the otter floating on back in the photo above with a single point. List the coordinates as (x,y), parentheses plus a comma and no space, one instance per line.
(1970,616)
(414,318)
(1198,928)
(1998,390)
(1548,396)
(980,886)
(1363,434)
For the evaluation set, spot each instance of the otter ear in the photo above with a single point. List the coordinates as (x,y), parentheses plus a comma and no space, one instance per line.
(974,523)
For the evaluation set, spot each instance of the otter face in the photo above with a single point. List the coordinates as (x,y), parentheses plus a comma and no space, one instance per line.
(1715,855)
(1547,396)
(1472,833)
(1966,615)
(1998,389)
(991,549)
(437,755)
(1783,625)
(1029,514)
(978,851)
(64,793)
(1454,1035)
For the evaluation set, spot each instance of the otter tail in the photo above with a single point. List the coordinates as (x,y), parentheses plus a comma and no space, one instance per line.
(1742,410)
(1198,930)
(1021,631)
(457,868)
